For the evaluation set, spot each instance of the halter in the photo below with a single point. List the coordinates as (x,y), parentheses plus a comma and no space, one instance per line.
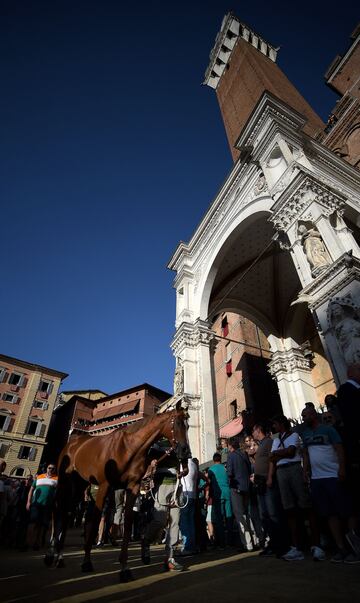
(173,440)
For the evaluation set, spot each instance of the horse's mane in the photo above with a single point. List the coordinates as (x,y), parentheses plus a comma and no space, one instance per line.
(142,423)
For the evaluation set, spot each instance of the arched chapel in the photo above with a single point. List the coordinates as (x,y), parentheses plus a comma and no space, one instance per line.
(267,289)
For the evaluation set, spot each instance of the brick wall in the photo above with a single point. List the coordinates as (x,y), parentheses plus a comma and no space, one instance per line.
(249,74)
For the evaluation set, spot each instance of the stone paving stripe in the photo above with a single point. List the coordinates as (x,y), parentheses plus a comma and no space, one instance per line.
(21,598)
(98,574)
(147,581)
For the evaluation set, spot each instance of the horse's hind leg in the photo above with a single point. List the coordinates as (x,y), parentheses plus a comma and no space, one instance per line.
(125,572)
(92,527)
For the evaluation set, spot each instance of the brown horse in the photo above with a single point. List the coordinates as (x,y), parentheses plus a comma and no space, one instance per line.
(118,459)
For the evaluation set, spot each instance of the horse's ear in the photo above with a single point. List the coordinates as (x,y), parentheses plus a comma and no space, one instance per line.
(178,405)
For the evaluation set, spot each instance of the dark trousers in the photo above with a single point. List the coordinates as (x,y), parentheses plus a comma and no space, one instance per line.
(273,519)
(240,502)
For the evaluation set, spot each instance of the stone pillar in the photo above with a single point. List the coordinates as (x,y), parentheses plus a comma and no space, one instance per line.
(192,345)
(292,372)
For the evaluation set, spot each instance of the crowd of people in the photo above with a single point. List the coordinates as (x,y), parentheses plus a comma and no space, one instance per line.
(282,489)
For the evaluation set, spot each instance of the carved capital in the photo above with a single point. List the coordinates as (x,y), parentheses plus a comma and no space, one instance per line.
(191,335)
(193,402)
(288,362)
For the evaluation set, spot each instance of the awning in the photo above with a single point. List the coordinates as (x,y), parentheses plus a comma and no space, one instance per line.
(232,429)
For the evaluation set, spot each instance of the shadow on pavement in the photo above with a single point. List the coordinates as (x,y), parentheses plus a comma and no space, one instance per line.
(210,577)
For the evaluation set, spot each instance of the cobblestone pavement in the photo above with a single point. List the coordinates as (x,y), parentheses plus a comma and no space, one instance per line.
(211,577)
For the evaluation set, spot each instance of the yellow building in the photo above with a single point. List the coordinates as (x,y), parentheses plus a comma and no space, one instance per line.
(28,394)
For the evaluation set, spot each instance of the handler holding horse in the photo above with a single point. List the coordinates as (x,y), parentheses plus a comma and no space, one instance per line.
(119,460)
(166,512)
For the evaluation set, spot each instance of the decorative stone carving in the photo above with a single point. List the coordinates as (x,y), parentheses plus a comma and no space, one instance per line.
(331,282)
(343,315)
(191,335)
(198,275)
(288,362)
(194,402)
(314,248)
(289,206)
(179,378)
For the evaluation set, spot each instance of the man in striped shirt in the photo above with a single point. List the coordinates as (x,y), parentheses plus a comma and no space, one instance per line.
(40,504)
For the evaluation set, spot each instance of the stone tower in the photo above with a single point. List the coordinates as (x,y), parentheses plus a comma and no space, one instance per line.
(242,67)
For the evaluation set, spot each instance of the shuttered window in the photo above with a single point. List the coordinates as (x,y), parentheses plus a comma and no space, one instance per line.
(225,327)
(5,422)
(27,452)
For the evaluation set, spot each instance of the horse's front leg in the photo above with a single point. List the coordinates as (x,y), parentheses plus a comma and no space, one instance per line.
(125,572)
(93,526)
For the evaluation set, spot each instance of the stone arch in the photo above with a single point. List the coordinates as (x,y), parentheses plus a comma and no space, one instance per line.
(273,274)
(261,207)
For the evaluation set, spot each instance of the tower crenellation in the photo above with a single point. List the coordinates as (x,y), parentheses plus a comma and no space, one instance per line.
(231,30)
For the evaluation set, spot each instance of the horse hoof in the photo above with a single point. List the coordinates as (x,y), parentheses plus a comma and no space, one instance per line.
(87,566)
(126,576)
(60,563)
(49,560)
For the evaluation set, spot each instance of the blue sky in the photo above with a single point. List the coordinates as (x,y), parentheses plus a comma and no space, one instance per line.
(110,152)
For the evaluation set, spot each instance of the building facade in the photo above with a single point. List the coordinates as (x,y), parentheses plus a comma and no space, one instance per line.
(28,394)
(342,131)
(279,246)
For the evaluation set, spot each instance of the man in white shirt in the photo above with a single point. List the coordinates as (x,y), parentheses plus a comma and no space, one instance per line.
(285,457)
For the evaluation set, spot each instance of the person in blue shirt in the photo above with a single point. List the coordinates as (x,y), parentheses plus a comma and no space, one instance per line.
(220,495)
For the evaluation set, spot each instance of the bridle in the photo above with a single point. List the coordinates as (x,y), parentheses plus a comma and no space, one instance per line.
(173,441)
(174,499)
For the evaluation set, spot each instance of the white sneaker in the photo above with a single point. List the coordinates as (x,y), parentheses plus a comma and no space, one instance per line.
(317,553)
(293,555)
(354,541)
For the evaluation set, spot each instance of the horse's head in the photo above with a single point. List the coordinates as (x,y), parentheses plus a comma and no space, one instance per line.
(176,431)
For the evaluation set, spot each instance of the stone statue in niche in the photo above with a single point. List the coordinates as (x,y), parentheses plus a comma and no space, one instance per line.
(314,248)
(179,379)
(344,319)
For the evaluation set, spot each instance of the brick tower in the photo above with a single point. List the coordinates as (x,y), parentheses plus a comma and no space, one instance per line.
(242,66)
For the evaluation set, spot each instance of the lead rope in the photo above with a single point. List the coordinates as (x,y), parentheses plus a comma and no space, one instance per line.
(174,500)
